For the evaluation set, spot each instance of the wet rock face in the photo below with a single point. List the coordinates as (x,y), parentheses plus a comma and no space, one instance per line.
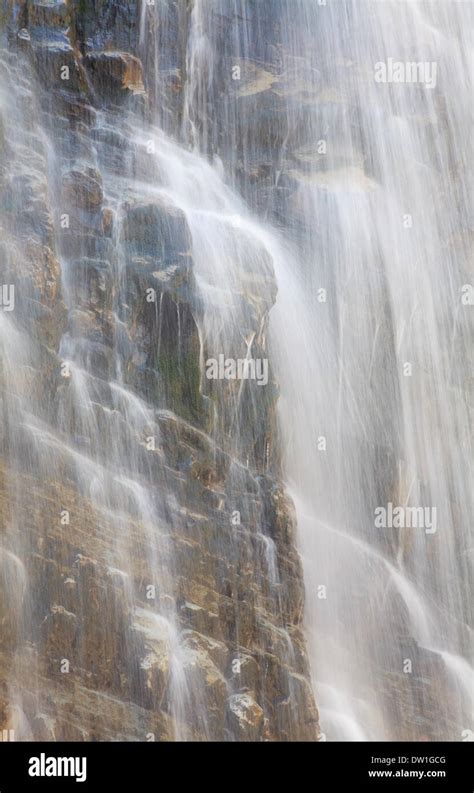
(159,231)
(114,74)
(168,605)
(246,717)
(83,189)
(107,24)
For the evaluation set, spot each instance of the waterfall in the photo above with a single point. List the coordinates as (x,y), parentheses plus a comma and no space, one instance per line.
(153,592)
(96,437)
(369,339)
(257,195)
(392,432)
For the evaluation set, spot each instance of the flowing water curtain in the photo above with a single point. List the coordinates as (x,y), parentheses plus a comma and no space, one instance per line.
(367,144)
(110,438)
(365,179)
(389,389)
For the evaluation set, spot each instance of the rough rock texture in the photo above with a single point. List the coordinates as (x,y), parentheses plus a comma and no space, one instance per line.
(87,651)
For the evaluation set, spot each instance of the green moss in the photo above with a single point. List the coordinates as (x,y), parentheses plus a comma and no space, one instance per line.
(181,378)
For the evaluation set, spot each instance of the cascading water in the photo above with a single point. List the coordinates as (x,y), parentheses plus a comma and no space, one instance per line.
(134,605)
(374,403)
(354,199)
(369,340)
(96,439)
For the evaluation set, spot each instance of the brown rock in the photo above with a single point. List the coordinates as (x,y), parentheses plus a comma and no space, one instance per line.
(114,74)
(59,630)
(245,717)
(217,651)
(82,188)
(52,13)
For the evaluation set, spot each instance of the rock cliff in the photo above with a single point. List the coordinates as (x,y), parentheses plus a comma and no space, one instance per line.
(149,584)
